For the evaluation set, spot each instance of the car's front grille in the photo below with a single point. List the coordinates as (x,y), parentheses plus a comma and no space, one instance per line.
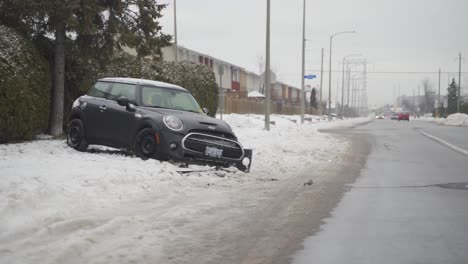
(214,133)
(198,142)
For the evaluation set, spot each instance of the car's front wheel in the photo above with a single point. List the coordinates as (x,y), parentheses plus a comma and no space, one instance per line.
(146,146)
(76,136)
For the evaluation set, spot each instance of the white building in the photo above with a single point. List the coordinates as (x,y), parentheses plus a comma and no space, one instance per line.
(230,76)
(235,78)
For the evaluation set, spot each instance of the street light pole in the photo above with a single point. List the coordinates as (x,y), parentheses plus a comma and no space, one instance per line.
(330,70)
(176,49)
(267,71)
(303,64)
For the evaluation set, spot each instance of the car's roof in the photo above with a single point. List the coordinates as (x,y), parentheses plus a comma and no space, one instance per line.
(143,82)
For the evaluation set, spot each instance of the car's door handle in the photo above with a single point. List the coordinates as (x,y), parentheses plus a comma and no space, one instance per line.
(103,108)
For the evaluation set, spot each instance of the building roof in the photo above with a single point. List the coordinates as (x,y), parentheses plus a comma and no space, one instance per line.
(210,57)
(144,82)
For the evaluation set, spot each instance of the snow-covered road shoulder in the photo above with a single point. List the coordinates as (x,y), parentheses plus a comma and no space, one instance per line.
(104,206)
(452,120)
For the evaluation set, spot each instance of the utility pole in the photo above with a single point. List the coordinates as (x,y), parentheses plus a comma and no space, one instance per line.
(419,98)
(438,100)
(221,91)
(329,79)
(365,82)
(321,84)
(176,49)
(337,95)
(353,95)
(303,64)
(358,101)
(399,95)
(459,83)
(267,71)
(330,69)
(349,85)
(342,88)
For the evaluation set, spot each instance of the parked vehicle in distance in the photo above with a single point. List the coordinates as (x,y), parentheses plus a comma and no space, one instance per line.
(394,116)
(154,120)
(379,117)
(403,116)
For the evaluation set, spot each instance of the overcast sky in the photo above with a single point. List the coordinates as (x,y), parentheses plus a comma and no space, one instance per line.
(393,35)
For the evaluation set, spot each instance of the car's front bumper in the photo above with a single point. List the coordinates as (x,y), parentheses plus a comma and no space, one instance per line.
(191,148)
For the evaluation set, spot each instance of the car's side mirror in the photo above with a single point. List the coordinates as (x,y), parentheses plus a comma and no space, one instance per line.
(206,111)
(123,101)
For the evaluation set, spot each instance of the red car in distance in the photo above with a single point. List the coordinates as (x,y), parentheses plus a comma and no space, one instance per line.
(403,116)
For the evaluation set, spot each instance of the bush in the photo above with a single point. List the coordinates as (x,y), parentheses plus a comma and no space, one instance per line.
(24,88)
(198,79)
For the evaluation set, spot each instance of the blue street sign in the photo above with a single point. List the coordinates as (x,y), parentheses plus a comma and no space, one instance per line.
(310,76)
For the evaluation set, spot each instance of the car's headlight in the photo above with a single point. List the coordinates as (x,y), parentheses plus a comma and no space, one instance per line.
(173,123)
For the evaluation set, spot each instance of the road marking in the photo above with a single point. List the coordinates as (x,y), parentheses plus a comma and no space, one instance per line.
(443,142)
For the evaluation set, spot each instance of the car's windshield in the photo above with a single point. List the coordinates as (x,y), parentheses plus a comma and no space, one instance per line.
(169,98)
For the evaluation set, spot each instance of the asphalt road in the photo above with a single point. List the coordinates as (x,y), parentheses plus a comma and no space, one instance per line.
(409,204)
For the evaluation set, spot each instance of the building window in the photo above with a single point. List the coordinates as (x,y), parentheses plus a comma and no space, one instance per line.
(206,61)
(211,64)
(200,59)
(235,74)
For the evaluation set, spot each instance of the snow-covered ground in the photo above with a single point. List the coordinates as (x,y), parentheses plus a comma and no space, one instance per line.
(452,120)
(58,205)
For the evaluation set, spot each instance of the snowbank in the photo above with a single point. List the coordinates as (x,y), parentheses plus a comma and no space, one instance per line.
(104,206)
(452,120)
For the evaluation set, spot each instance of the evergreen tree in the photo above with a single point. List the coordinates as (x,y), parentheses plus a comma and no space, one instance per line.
(97,28)
(313,98)
(452,98)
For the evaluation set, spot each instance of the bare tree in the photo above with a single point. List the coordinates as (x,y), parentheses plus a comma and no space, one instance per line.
(261,69)
(260,64)
(427,105)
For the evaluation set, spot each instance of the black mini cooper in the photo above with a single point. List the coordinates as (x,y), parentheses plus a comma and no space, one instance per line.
(154,120)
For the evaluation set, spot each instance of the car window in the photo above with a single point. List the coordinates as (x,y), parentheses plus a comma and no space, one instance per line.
(122,89)
(181,100)
(99,90)
(169,98)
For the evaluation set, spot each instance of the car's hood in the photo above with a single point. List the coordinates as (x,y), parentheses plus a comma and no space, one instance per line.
(195,121)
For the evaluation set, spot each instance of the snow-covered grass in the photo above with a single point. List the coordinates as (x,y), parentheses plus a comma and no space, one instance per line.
(58,205)
(452,120)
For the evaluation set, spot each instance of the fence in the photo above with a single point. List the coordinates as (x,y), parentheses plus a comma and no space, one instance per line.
(257,106)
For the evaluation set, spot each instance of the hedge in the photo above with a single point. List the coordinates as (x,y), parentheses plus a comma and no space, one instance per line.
(24,88)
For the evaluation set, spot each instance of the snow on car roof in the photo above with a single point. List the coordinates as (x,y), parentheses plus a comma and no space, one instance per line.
(144,82)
